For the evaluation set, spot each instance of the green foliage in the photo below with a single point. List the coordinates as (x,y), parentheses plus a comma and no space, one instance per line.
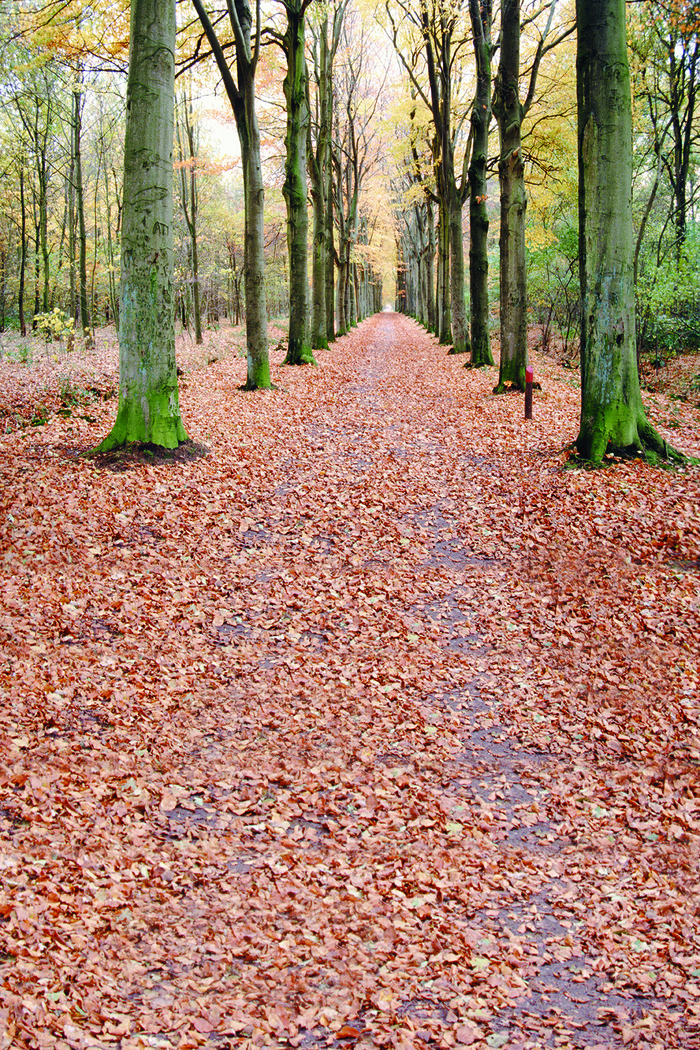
(668,301)
(553,280)
(40,416)
(55,325)
(73,396)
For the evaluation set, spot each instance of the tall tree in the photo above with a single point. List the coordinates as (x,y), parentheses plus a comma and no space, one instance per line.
(79,197)
(295,180)
(241,95)
(149,409)
(442,36)
(612,414)
(481,15)
(510,113)
(511,174)
(186,134)
(325,32)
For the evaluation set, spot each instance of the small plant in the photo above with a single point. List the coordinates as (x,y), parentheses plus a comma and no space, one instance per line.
(72,396)
(40,416)
(56,325)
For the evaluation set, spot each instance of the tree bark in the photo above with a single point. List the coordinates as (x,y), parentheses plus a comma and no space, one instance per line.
(444,312)
(190,202)
(148,394)
(460,327)
(23,254)
(241,95)
(318,163)
(295,184)
(612,415)
(480,12)
(511,174)
(83,295)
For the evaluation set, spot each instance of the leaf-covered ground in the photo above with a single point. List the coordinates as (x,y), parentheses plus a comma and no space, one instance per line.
(375,727)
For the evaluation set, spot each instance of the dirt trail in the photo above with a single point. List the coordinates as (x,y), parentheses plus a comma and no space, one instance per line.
(300,751)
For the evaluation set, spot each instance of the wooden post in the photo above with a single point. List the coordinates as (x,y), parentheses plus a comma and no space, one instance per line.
(528,392)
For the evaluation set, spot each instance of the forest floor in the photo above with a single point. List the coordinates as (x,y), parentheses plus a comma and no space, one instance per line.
(377,726)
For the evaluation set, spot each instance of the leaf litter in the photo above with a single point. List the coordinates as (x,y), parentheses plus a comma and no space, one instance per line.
(374,727)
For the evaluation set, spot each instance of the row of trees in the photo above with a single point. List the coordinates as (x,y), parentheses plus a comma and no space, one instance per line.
(427,38)
(61,189)
(448,163)
(330,151)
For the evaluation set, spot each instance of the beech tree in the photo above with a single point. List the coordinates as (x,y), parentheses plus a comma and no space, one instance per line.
(296,143)
(149,409)
(241,95)
(186,135)
(612,414)
(510,113)
(481,13)
(325,39)
(442,33)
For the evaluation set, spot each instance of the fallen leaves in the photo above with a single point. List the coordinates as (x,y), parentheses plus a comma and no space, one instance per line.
(375,727)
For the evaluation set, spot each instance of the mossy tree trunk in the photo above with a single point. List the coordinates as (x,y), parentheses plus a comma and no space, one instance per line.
(241,95)
(331,258)
(612,415)
(148,394)
(326,30)
(480,14)
(443,305)
(295,183)
(460,324)
(510,113)
(318,159)
(511,173)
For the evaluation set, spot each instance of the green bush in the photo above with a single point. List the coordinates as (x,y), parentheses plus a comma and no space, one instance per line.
(55,325)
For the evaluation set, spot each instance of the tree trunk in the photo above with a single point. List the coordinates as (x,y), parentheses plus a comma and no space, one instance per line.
(295,185)
(85,318)
(317,170)
(511,174)
(254,274)
(189,199)
(612,415)
(242,99)
(70,191)
(148,395)
(444,312)
(330,231)
(22,256)
(480,12)
(460,333)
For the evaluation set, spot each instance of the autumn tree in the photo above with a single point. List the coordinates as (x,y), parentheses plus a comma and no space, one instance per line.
(354,155)
(297,136)
(413,186)
(442,35)
(241,95)
(510,112)
(325,39)
(480,12)
(186,136)
(148,393)
(612,414)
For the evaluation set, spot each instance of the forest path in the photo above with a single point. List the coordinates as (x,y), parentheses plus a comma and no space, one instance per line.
(342,735)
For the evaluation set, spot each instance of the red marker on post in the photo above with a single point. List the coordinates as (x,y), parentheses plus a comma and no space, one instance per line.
(528,392)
